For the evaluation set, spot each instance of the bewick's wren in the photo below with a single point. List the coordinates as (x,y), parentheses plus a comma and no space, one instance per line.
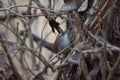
(60,43)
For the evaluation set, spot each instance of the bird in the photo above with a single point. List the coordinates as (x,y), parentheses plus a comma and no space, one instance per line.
(61,41)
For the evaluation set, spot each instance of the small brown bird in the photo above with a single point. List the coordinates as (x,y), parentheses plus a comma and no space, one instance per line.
(60,43)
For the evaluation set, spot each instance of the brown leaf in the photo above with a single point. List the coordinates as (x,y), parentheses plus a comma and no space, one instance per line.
(75,58)
(95,70)
(71,5)
(84,6)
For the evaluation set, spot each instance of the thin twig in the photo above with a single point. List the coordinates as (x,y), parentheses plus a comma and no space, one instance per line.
(14,68)
(114,67)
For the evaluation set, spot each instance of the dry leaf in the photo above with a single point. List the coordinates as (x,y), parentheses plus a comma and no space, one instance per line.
(71,5)
(84,6)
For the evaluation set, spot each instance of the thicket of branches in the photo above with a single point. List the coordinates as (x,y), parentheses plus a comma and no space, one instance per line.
(89,48)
